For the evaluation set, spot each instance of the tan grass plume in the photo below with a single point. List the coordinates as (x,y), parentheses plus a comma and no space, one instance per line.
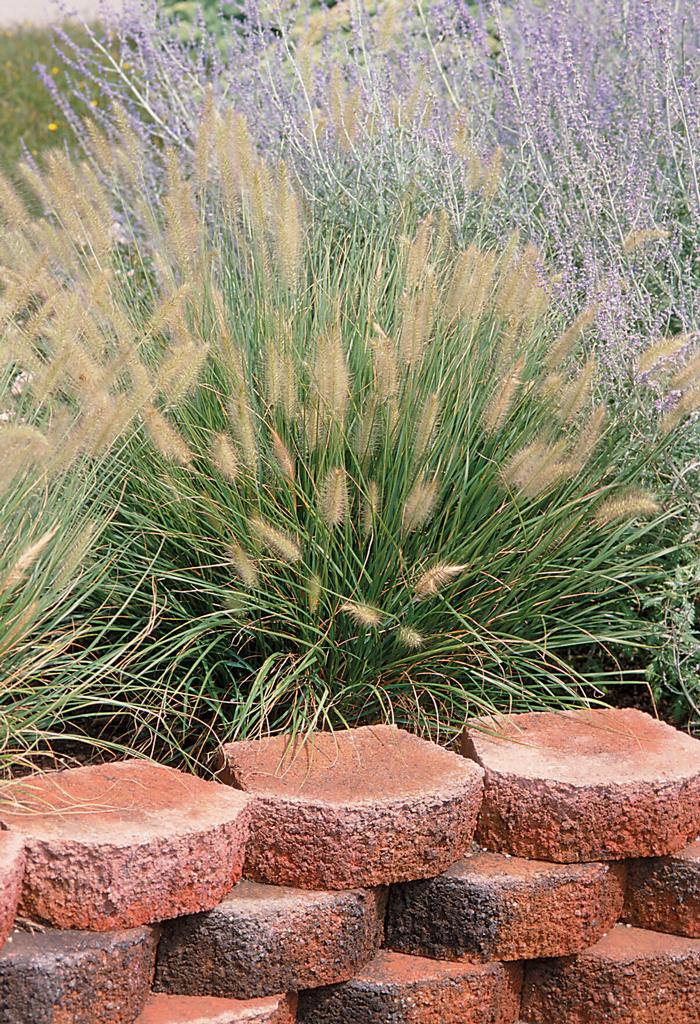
(427,425)
(636,239)
(660,351)
(243,426)
(411,638)
(169,441)
(419,505)
(275,540)
(629,503)
(370,507)
(334,497)
(499,406)
(568,340)
(433,580)
(362,614)
(224,456)
(576,393)
(24,563)
(285,459)
(244,565)
(688,375)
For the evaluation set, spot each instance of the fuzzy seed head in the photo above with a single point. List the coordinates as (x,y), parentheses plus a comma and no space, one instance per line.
(284,457)
(26,560)
(243,426)
(370,507)
(538,468)
(661,351)
(687,404)
(567,341)
(169,442)
(244,565)
(334,499)
(432,581)
(362,614)
(427,425)
(493,174)
(368,429)
(636,239)
(471,286)
(688,375)
(417,316)
(224,456)
(626,505)
(332,377)
(501,402)
(313,592)
(288,229)
(181,369)
(589,435)
(576,393)
(386,367)
(410,638)
(419,505)
(419,253)
(276,541)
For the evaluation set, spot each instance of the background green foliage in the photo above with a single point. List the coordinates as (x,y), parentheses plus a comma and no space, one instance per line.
(26,109)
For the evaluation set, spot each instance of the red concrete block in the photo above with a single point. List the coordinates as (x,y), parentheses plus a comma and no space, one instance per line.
(663,893)
(162,1009)
(397,989)
(263,939)
(124,844)
(586,786)
(491,907)
(631,976)
(70,977)
(355,808)
(11,873)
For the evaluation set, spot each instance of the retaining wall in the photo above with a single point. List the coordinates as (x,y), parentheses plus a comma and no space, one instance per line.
(547,874)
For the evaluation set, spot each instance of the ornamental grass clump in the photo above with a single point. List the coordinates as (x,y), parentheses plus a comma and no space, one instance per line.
(352,475)
(51,652)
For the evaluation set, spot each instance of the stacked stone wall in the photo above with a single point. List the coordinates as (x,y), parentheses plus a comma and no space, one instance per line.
(545,872)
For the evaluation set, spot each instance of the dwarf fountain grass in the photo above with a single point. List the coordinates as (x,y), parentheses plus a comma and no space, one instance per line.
(321,509)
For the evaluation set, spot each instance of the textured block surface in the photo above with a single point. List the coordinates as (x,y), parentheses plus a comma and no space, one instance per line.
(354,808)
(631,976)
(11,873)
(164,1009)
(492,907)
(397,989)
(663,893)
(264,939)
(586,786)
(73,977)
(124,844)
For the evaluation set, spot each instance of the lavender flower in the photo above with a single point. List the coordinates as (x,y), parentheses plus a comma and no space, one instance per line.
(593,104)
